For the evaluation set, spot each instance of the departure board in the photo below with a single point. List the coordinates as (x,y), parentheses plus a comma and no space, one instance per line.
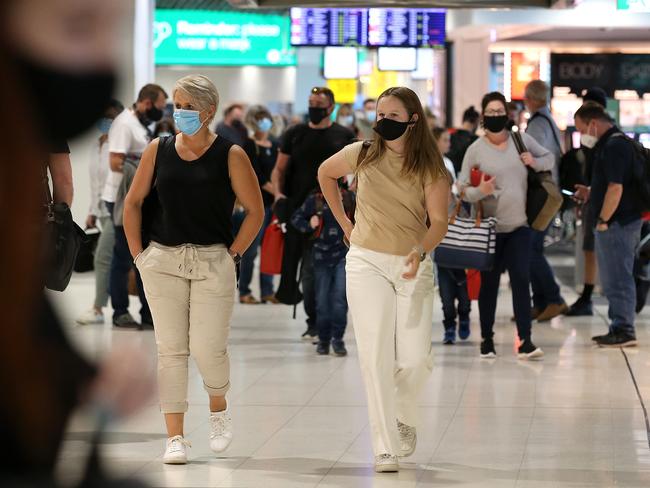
(392,27)
(329,27)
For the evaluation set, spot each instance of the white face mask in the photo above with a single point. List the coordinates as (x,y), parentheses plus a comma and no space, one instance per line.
(588,140)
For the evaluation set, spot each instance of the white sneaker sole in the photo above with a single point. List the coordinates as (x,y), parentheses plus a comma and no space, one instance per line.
(387,468)
(177,460)
(489,355)
(536,354)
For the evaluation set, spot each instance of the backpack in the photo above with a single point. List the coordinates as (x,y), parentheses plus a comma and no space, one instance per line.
(640,173)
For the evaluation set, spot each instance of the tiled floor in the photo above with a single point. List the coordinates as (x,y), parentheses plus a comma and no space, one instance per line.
(573,420)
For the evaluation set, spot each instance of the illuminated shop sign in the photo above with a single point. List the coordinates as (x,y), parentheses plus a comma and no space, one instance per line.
(634,5)
(215,38)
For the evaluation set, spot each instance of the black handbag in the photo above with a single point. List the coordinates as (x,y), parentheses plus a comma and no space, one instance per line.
(86,257)
(62,239)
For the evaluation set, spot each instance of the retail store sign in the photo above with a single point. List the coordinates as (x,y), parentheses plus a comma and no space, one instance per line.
(634,5)
(220,38)
(611,72)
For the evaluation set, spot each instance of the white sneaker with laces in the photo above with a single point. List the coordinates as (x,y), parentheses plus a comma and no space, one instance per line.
(91,317)
(386,463)
(176,452)
(408,439)
(220,431)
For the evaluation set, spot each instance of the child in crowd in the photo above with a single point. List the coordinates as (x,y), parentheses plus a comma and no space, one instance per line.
(329,251)
(452,283)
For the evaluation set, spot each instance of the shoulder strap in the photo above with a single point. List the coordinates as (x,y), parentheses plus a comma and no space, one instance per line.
(519,142)
(555,138)
(364,152)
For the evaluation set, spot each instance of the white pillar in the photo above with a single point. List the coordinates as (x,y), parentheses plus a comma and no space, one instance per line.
(471,71)
(143,52)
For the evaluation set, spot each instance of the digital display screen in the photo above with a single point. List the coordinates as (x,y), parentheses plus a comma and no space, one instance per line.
(340,63)
(329,27)
(397,59)
(401,27)
(216,38)
(375,27)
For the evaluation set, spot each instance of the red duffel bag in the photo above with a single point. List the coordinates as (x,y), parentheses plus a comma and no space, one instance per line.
(473,283)
(272,249)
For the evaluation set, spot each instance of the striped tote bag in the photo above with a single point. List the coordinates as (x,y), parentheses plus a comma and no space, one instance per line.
(470,243)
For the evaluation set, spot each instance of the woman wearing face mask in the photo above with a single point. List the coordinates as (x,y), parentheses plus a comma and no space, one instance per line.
(99,165)
(262,152)
(402,181)
(345,117)
(502,191)
(189,269)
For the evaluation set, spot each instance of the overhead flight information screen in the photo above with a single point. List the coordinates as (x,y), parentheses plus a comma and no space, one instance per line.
(390,27)
(329,27)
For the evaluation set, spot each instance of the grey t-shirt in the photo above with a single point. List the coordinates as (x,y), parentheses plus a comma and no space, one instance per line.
(542,128)
(508,203)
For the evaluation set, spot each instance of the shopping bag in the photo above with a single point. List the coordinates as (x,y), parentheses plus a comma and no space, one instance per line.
(473,283)
(272,248)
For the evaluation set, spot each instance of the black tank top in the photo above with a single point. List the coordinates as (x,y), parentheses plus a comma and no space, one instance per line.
(196,198)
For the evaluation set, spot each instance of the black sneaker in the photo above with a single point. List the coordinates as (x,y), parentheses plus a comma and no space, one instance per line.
(487,349)
(463,329)
(339,348)
(599,337)
(528,350)
(310,335)
(125,321)
(617,339)
(581,308)
(323,349)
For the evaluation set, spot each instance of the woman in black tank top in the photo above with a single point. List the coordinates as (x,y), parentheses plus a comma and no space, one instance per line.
(190,182)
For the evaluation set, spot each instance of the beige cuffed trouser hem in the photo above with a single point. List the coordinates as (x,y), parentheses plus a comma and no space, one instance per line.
(191,294)
(392,325)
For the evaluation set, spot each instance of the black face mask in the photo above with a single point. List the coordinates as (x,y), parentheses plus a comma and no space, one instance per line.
(154,114)
(390,129)
(66,103)
(495,123)
(317,114)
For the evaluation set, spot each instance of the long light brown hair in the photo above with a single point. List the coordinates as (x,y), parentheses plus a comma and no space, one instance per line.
(422,157)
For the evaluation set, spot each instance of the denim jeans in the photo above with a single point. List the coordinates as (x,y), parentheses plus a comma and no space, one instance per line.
(308,280)
(248,261)
(545,289)
(452,284)
(331,301)
(615,251)
(121,265)
(513,251)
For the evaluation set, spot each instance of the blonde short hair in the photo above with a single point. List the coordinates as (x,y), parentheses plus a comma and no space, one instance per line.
(538,91)
(201,90)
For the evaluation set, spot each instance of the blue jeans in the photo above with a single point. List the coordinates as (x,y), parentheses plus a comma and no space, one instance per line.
(513,254)
(248,260)
(545,289)
(452,284)
(331,301)
(121,265)
(615,251)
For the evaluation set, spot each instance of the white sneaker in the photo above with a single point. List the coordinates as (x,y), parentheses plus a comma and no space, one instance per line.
(91,317)
(220,431)
(386,463)
(176,452)
(408,439)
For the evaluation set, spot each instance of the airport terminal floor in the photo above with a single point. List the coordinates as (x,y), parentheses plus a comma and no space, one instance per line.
(574,419)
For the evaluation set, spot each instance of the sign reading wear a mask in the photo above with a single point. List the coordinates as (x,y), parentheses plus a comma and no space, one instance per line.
(216,38)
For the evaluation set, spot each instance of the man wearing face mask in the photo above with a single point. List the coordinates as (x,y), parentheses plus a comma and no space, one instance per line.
(232,127)
(366,121)
(618,228)
(127,139)
(304,148)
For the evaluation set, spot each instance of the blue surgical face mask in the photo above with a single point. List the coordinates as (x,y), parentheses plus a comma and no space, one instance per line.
(188,121)
(371,115)
(265,124)
(104,125)
(346,120)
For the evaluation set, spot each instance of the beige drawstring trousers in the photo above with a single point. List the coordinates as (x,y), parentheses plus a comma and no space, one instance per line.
(191,293)
(392,320)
